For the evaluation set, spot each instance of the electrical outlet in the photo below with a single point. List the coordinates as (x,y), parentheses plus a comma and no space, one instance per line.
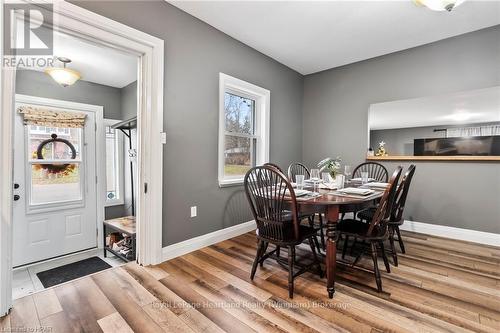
(194,211)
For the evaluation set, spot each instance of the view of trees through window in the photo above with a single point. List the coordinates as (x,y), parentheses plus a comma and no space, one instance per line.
(239,138)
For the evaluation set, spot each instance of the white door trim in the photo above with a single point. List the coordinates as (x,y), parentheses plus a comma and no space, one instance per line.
(100,151)
(80,22)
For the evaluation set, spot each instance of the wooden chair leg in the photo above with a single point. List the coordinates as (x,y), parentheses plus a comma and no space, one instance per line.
(278,251)
(344,248)
(342,216)
(291,257)
(322,232)
(315,239)
(353,246)
(266,244)
(375,267)
(384,256)
(393,248)
(257,258)
(315,256)
(400,239)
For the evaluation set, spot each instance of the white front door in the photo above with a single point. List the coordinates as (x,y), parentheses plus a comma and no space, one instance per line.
(55,197)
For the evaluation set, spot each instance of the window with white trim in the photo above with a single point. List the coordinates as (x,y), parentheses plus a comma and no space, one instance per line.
(243,128)
(114,164)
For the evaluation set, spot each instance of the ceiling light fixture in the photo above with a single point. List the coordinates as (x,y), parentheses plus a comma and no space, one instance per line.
(439,5)
(62,75)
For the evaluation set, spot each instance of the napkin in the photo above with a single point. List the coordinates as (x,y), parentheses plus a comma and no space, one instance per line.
(328,186)
(377,184)
(358,191)
(361,179)
(298,193)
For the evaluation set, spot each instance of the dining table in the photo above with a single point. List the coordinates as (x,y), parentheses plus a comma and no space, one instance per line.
(328,201)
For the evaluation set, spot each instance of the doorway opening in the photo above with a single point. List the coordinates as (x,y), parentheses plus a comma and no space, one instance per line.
(75,165)
(148,51)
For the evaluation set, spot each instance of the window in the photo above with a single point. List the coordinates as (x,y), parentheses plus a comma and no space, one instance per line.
(243,128)
(114,164)
(55,175)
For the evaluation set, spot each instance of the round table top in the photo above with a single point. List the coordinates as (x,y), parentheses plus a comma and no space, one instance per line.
(329,197)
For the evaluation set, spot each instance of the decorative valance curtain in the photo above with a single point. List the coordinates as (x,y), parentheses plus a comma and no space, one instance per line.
(473,131)
(51,118)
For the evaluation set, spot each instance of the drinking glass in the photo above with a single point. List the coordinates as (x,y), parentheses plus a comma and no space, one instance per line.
(325,176)
(299,179)
(364,177)
(347,172)
(315,175)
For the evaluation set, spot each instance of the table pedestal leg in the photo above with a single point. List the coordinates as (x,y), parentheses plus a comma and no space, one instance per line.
(332,215)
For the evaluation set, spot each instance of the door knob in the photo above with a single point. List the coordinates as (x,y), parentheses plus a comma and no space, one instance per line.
(16,197)
(16,186)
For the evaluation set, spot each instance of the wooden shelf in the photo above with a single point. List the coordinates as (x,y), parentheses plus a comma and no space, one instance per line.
(436,158)
(117,253)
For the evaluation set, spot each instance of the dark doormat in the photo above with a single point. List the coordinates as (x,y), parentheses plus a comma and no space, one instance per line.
(72,271)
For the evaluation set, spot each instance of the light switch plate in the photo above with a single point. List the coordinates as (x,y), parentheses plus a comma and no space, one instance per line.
(194,211)
(163,138)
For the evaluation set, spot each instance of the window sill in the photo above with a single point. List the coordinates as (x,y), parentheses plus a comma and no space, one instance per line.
(230,182)
(114,203)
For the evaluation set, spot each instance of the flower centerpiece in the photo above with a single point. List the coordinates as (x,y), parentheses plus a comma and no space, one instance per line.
(332,165)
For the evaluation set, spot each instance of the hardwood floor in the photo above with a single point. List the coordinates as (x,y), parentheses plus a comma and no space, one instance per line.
(440,285)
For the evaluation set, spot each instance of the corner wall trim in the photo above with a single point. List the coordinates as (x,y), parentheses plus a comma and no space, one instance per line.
(481,237)
(196,243)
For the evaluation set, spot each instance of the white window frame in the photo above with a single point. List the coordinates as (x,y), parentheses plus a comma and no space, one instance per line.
(262,98)
(119,155)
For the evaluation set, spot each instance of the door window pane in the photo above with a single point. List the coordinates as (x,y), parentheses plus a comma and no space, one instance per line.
(55,150)
(239,114)
(50,185)
(237,155)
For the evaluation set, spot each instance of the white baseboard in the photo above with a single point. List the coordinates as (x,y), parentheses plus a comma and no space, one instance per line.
(475,236)
(193,244)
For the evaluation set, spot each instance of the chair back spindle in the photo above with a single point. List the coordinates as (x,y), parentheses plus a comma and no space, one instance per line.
(273,203)
(298,169)
(401,194)
(384,209)
(375,170)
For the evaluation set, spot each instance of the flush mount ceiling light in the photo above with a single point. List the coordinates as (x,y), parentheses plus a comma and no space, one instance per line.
(62,75)
(439,5)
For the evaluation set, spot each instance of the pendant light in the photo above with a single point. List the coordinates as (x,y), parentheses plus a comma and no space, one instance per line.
(439,5)
(63,75)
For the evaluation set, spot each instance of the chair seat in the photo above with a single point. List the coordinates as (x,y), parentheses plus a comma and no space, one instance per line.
(304,233)
(360,230)
(367,214)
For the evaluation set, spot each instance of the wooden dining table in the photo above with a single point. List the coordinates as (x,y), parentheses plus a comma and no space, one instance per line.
(329,203)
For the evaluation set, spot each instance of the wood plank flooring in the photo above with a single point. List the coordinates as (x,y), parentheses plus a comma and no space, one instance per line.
(440,285)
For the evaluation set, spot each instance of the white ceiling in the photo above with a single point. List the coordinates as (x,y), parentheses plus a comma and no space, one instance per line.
(98,64)
(311,36)
(467,107)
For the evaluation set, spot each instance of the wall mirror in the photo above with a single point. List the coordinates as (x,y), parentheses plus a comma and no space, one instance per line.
(457,126)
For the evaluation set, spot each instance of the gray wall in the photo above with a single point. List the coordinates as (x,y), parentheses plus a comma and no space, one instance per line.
(41,85)
(335,120)
(195,53)
(399,141)
(128,101)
